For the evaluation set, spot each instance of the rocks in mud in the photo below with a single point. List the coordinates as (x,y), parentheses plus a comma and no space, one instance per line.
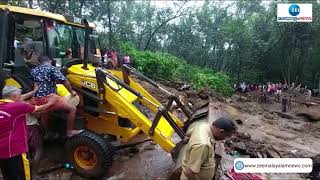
(243,143)
(131,155)
(124,158)
(66,175)
(239,121)
(271,153)
(246,136)
(191,93)
(282,134)
(184,87)
(296,126)
(244,99)
(268,116)
(147,147)
(117,177)
(284,115)
(311,114)
(240,98)
(134,150)
(241,146)
(228,100)
(294,151)
(126,154)
(116,157)
(308,110)
(204,94)
(193,99)
(235,97)
(270,121)
(253,126)
(271,116)
(53,176)
(239,142)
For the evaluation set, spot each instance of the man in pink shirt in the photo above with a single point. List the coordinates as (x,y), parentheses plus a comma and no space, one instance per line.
(13,135)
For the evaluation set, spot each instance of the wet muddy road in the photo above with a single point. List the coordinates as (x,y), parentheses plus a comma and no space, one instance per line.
(148,164)
(151,162)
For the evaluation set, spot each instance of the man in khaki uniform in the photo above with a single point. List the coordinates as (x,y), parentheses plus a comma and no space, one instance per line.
(198,154)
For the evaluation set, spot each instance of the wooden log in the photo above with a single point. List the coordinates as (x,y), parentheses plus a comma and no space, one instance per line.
(285,115)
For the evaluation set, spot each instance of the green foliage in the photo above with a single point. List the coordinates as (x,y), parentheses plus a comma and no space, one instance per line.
(241,38)
(169,67)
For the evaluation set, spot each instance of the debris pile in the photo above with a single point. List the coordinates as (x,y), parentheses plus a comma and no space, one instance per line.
(310,113)
(242,145)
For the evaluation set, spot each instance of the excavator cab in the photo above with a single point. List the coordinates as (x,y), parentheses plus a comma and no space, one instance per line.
(28,34)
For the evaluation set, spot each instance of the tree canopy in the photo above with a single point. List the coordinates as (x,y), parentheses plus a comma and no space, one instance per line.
(240,38)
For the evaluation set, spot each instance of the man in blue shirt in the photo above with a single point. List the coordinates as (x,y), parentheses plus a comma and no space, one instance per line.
(46,77)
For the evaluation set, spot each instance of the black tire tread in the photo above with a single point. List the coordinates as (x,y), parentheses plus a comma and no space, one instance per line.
(99,143)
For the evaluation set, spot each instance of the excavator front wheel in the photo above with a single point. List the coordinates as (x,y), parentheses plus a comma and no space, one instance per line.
(90,154)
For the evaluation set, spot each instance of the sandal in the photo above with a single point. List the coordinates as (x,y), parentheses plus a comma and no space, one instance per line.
(73,132)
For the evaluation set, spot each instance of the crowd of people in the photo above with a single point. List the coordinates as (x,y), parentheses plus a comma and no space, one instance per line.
(110,59)
(269,87)
(281,92)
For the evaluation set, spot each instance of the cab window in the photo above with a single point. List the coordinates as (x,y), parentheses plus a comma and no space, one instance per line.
(28,42)
(65,41)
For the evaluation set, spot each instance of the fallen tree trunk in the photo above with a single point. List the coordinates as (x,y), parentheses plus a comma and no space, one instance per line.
(284,115)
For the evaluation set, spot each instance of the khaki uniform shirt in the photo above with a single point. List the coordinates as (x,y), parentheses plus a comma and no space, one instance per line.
(198,154)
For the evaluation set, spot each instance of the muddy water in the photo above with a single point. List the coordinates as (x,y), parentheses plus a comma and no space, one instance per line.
(152,162)
(149,164)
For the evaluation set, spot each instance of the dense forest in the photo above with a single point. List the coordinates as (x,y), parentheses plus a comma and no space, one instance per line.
(239,38)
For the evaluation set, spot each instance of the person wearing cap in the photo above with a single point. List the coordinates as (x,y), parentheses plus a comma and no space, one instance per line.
(198,155)
(46,77)
(13,135)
